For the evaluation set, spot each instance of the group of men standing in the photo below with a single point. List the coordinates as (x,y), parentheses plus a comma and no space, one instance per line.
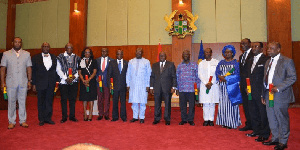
(18,72)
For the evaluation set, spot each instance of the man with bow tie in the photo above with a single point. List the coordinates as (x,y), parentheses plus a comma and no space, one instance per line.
(43,80)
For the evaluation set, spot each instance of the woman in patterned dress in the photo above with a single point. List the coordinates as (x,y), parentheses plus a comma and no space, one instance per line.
(228,114)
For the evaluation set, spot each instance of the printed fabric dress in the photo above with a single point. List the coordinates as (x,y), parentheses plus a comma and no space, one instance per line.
(87,69)
(228,114)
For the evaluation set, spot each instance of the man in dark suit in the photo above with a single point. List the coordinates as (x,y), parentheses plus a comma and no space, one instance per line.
(43,80)
(117,70)
(162,85)
(103,97)
(281,72)
(257,110)
(244,60)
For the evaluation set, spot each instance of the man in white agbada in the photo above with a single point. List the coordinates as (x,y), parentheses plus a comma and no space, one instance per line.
(138,83)
(207,68)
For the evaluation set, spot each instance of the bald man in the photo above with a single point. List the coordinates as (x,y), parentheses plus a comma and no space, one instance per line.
(43,82)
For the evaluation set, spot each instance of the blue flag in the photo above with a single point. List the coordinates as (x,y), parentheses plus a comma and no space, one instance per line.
(201,53)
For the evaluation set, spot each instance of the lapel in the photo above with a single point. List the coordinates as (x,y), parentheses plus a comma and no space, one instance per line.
(124,64)
(165,66)
(277,67)
(257,63)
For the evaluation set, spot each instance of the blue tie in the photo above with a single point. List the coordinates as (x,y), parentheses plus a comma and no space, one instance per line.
(120,66)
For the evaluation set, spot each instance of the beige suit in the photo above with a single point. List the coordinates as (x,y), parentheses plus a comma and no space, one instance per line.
(16,82)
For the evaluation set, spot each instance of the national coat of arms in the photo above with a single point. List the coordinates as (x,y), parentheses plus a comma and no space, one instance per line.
(181,26)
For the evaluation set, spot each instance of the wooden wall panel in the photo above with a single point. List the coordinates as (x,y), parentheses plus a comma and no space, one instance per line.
(296,53)
(279,24)
(10,26)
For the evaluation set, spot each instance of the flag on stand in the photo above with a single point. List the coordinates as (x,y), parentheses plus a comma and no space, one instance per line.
(201,53)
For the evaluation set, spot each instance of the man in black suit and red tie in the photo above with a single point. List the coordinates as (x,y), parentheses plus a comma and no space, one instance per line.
(244,60)
(117,70)
(162,84)
(44,78)
(257,110)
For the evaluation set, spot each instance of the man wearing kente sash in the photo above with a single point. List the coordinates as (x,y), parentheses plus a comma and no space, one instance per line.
(228,77)
(16,67)
(209,90)
(67,70)
(281,73)
(258,114)
(138,84)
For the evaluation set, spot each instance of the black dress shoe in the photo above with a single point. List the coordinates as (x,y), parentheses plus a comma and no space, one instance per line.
(224,126)
(85,119)
(211,123)
(205,123)
(168,123)
(63,120)
(106,117)
(270,143)
(73,119)
(114,119)
(89,119)
(50,122)
(192,123)
(155,122)
(99,117)
(124,120)
(142,121)
(280,146)
(182,122)
(246,128)
(134,120)
(228,127)
(261,139)
(252,134)
(41,123)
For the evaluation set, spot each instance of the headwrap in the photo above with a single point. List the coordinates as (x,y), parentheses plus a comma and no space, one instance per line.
(229,47)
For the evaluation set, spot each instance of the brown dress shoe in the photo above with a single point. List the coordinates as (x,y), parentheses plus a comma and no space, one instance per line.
(24,125)
(10,126)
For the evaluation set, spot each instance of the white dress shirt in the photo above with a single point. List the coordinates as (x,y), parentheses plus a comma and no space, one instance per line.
(118,61)
(256,58)
(272,69)
(47,61)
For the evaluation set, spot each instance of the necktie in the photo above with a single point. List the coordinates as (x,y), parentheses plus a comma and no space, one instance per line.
(243,58)
(161,67)
(267,74)
(103,65)
(254,63)
(120,66)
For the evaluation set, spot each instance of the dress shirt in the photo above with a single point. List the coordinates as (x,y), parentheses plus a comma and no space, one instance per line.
(255,59)
(47,61)
(118,61)
(17,52)
(164,62)
(63,75)
(272,69)
(246,53)
(102,59)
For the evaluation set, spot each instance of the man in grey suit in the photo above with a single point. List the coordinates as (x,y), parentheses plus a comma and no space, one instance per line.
(18,64)
(281,72)
(162,84)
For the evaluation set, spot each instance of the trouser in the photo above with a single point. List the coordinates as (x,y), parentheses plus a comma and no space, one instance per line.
(115,112)
(138,110)
(259,119)
(185,97)
(68,92)
(208,111)
(13,94)
(246,107)
(103,101)
(158,99)
(279,121)
(45,103)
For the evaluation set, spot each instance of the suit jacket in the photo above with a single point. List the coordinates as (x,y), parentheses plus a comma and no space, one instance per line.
(256,77)
(41,77)
(119,79)
(163,82)
(104,73)
(244,70)
(284,77)
(16,68)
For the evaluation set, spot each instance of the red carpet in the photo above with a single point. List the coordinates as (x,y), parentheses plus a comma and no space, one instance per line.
(119,135)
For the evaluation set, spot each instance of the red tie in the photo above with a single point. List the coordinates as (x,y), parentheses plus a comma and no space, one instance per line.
(103,65)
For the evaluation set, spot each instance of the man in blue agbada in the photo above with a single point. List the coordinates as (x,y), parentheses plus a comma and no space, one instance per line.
(138,83)
(228,75)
